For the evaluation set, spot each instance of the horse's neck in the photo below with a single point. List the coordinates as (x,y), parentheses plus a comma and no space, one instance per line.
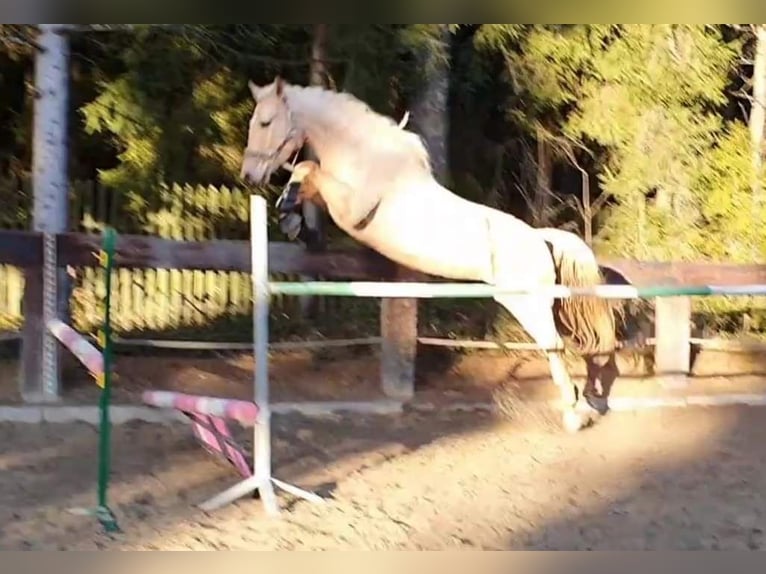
(311,118)
(349,157)
(335,154)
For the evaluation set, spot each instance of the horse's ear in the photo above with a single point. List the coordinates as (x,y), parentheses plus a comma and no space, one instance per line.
(279,86)
(255,89)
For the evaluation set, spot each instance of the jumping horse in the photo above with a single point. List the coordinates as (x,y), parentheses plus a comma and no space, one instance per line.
(376,183)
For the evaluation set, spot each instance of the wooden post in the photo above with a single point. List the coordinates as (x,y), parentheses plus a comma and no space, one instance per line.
(672,332)
(399,317)
(50,214)
(399,331)
(31,380)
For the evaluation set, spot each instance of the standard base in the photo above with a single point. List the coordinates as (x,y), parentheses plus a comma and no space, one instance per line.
(103,514)
(265,487)
(673,381)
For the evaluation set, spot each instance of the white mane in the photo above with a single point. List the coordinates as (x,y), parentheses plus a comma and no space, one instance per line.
(376,135)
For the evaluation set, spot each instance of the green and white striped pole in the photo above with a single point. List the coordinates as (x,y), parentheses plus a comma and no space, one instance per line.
(481,290)
(103,512)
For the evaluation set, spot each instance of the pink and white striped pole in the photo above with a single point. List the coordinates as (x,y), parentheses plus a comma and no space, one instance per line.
(241,411)
(86,353)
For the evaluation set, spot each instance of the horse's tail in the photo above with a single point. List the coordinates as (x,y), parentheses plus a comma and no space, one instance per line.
(588,323)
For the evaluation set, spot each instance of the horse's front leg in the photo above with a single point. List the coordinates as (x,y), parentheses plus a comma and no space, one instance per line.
(298,189)
(309,182)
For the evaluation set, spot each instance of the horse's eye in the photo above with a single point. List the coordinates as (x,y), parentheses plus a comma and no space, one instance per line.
(265,123)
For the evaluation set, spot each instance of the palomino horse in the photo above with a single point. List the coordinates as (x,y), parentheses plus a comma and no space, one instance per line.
(376,183)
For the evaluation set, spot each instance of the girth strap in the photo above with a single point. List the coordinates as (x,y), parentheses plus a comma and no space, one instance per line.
(367,219)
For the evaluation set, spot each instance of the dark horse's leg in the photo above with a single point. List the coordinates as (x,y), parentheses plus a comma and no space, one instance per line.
(312,238)
(292,222)
(602,372)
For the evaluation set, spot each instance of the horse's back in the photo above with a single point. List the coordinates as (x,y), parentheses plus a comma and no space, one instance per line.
(438,232)
(521,253)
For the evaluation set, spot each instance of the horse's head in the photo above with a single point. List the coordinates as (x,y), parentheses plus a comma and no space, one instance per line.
(272,137)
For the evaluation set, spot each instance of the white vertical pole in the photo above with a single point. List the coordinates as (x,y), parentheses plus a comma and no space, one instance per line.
(259,259)
(262,480)
(50,181)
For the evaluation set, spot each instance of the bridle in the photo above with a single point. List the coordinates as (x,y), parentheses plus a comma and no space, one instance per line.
(293,135)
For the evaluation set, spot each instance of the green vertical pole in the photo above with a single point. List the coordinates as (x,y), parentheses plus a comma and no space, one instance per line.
(103,513)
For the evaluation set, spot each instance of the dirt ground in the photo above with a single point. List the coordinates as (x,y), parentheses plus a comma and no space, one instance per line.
(664,479)
(442,376)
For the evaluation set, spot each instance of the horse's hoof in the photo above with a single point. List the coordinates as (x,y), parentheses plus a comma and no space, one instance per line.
(291,224)
(598,404)
(574,421)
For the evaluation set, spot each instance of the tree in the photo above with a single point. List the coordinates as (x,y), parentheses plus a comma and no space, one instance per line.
(544,67)
(182,117)
(430,112)
(651,102)
(757,119)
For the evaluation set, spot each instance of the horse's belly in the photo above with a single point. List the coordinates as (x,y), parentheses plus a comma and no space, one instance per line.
(443,260)
(451,247)
(458,240)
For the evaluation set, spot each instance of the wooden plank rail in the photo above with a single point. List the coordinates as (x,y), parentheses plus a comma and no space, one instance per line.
(136,251)
(25,250)
(21,248)
(643,273)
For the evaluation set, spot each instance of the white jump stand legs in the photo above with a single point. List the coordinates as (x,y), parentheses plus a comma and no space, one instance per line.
(262,481)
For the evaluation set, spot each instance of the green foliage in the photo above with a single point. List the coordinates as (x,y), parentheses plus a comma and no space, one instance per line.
(172,118)
(651,103)
(651,113)
(643,100)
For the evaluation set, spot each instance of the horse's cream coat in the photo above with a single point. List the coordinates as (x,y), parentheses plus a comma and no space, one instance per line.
(367,160)
(375,158)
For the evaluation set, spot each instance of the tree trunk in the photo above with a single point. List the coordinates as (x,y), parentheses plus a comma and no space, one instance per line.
(399,317)
(758,109)
(312,215)
(317,77)
(543,183)
(430,113)
(587,206)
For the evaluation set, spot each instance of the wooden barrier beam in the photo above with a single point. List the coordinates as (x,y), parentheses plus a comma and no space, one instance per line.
(137,251)
(647,273)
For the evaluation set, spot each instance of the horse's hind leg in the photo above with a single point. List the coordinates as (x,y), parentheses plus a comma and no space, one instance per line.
(536,316)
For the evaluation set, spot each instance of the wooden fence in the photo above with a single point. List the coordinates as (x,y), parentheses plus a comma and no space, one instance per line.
(146,300)
(398,320)
(200,304)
